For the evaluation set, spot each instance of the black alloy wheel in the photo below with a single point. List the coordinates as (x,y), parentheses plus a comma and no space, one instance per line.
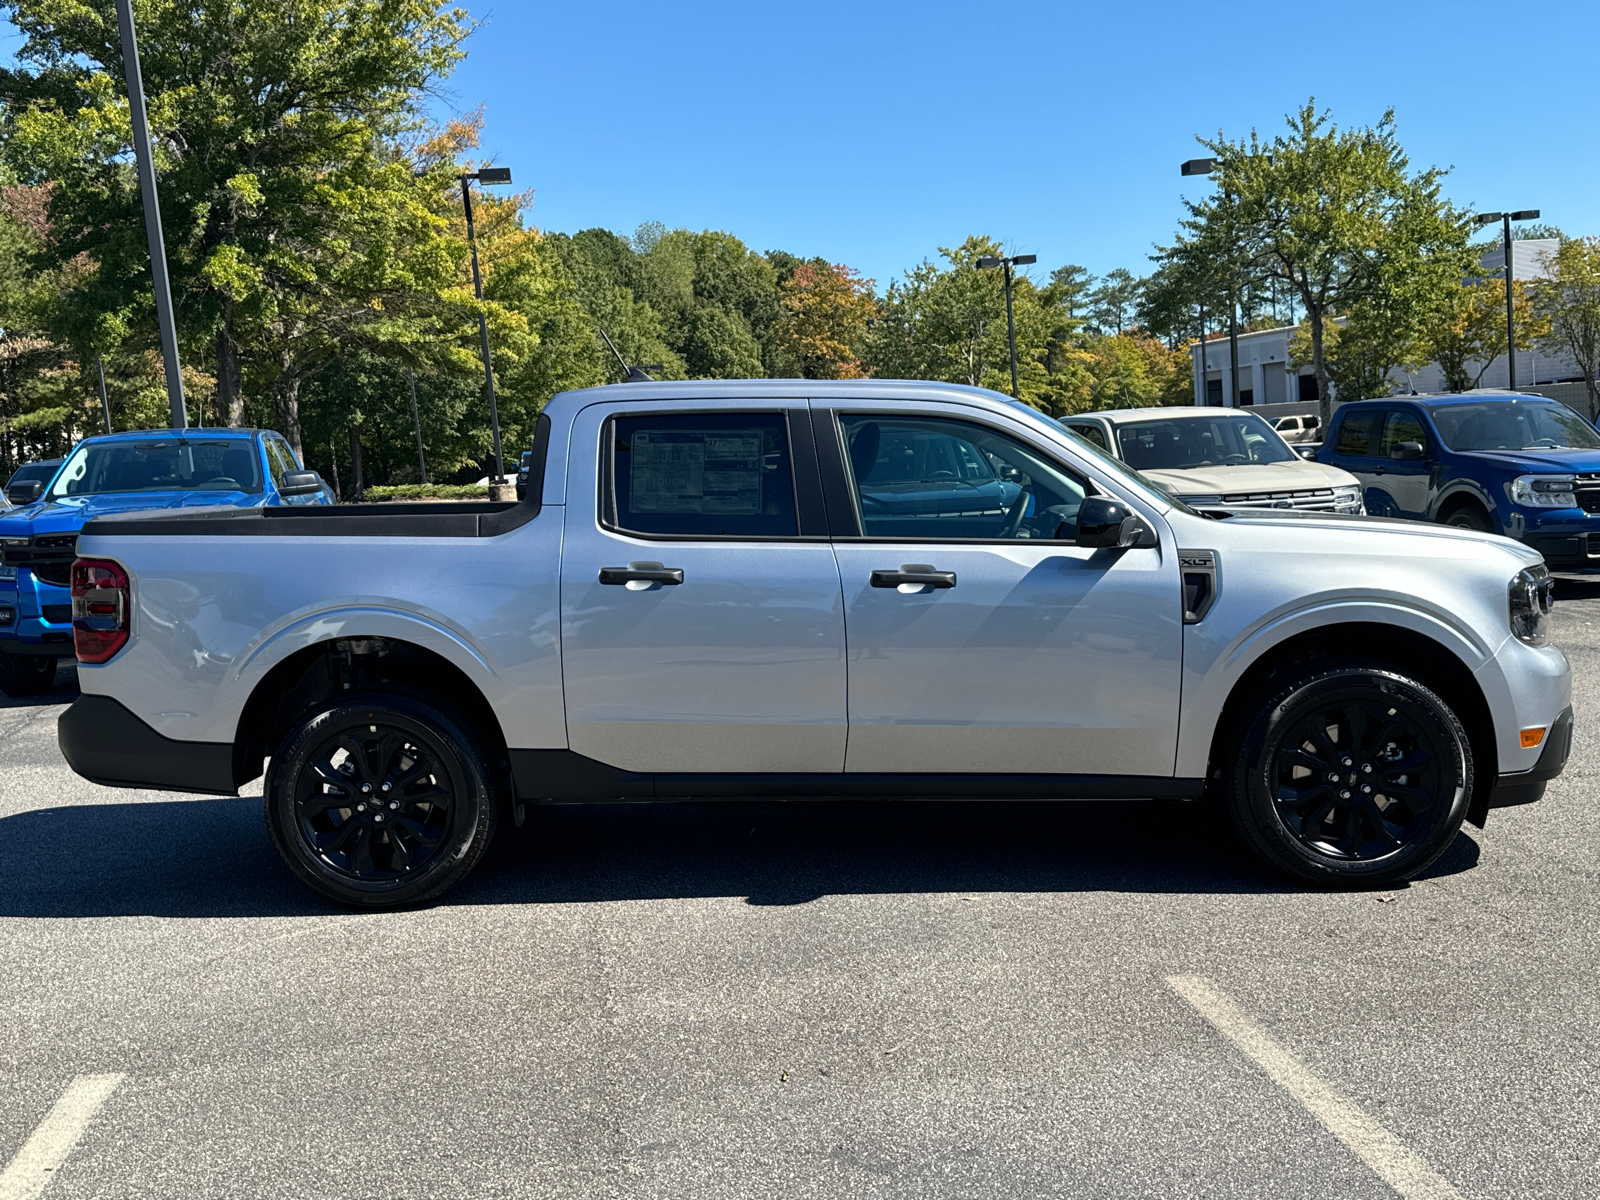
(26,674)
(1352,774)
(380,801)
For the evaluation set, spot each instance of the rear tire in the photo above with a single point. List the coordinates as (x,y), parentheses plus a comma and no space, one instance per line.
(26,674)
(381,800)
(1351,775)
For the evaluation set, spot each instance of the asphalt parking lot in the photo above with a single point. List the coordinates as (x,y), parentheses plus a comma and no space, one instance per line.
(949,1000)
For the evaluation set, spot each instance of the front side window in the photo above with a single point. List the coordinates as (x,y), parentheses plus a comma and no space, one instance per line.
(928,477)
(1236,439)
(1355,435)
(1401,426)
(166,465)
(1513,425)
(702,475)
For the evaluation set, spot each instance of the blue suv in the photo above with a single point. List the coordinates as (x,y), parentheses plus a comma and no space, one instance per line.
(1523,466)
(117,473)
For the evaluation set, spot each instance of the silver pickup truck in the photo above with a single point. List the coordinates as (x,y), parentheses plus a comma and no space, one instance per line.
(787,588)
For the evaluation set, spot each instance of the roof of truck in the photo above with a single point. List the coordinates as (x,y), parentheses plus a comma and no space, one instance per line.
(145,435)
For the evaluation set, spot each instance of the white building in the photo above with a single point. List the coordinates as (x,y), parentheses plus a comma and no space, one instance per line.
(1265,376)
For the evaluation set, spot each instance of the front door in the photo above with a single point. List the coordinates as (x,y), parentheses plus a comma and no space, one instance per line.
(700,630)
(1407,481)
(981,638)
(1354,451)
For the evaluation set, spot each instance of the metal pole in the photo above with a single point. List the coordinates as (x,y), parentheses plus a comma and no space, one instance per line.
(105,405)
(1511,324)
(1205,371)
(1011,331)
(152,214)
(1233,348)
(422,465)
(483,327)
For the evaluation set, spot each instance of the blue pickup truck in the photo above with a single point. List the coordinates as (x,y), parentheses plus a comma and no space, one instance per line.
(1498,462)
(112,474)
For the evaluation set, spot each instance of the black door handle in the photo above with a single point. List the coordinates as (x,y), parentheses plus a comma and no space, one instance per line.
(641,572)
(914,573)
(1380,470)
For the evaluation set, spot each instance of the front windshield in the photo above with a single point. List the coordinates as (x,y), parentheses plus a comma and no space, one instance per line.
(168,465)
(1513,425)
(1223,440)
(1108,461)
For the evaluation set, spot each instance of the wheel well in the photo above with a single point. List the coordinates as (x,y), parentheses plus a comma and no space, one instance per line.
(1467,500)
(1411,653)
(316,674)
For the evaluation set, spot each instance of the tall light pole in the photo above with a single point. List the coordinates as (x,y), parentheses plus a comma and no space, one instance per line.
(988,263)
(1527,214)
(486,176)
(152,214)
(1205,166)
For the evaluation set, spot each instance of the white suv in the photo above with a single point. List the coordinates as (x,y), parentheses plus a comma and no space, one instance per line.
(1217,458)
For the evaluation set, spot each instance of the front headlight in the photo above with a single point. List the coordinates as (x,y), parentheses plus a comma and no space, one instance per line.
(1532,594)
(1544,491)
(1347,499)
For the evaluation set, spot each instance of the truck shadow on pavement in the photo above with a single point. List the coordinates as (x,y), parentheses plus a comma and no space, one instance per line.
(211,858)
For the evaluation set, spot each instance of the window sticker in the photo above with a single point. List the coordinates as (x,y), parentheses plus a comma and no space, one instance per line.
(715,472)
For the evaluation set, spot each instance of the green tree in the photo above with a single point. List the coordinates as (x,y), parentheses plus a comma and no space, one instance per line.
(1570,301)
(295,225)
(1337,218)
(1113,303)
(1467,332)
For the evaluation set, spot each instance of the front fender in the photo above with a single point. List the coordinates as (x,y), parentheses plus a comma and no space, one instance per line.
(1213,668)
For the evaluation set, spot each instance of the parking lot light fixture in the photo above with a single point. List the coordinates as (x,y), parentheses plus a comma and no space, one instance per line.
(1526,214)
(988,263)
(486,176)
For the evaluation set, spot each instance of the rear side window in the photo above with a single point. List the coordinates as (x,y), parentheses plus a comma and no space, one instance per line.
(726,474)
(1401,426)
(1355,434)
(1091,434)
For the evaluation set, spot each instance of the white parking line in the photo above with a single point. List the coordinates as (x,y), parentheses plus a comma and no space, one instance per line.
(1401,1169)
(31,1170)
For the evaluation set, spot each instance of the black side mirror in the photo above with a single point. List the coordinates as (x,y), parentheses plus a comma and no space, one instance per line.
(300,483)
(1408,452)
(25,491)
(1103,523)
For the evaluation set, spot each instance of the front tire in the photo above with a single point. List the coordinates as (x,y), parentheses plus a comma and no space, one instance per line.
(26,674)
(1351,775)
(1470,516)
(380,800)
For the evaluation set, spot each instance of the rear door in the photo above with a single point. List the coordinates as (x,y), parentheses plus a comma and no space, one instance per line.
(1022,654)
(702,623)
(1353,450)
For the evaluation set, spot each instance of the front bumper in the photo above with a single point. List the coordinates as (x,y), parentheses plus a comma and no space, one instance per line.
(1524,787)
(43,618)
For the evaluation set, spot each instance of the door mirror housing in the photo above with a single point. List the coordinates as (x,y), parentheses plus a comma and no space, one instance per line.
(1408,452)
(300,483)
(1104,523)
(25,491)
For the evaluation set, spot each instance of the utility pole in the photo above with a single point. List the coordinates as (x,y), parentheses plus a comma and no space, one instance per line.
(152,214)
(105,405)
(422,464)
(1527,214)
(486,175)
(989,262)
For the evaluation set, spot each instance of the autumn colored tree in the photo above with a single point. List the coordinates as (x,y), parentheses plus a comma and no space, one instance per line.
(826,310)
(1570,301)
(1468,331)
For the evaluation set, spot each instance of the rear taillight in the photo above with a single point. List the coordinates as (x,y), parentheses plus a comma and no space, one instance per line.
(100,602)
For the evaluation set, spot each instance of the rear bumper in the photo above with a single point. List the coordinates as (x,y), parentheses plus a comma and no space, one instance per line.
(1524,787)
(106,743)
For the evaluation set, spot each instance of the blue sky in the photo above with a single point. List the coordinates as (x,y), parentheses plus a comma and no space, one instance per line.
(872,133)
